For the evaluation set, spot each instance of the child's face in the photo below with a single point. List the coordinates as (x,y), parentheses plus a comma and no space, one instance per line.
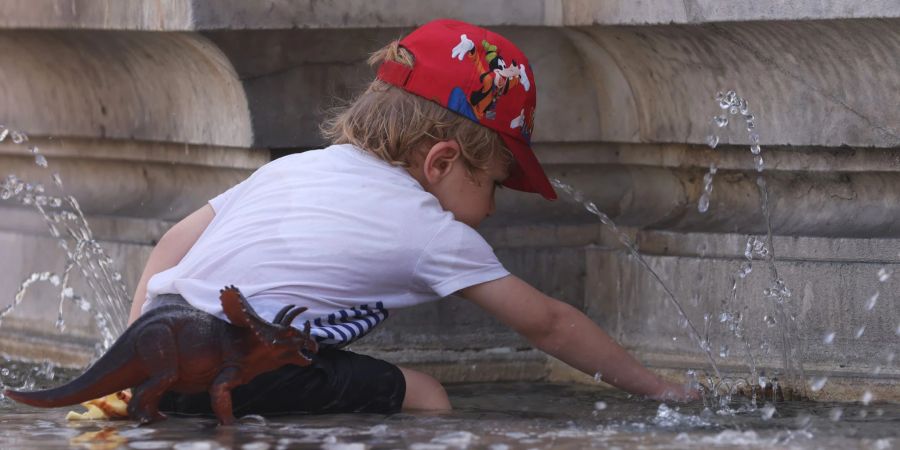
(470,197)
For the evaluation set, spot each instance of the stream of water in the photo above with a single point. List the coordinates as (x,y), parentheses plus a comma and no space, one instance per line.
(105,296)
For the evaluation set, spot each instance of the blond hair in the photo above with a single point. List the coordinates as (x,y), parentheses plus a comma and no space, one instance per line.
(394,125)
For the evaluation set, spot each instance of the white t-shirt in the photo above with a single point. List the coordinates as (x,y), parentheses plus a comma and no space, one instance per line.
(336,230)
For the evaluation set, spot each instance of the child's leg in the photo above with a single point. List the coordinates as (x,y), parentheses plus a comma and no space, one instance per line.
(423,392)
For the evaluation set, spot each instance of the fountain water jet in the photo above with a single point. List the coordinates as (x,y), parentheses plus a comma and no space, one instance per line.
(107,297)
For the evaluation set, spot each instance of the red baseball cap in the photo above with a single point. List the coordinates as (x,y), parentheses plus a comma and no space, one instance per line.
(482,76)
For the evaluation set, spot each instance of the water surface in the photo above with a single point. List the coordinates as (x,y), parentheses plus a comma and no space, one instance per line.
(492,416)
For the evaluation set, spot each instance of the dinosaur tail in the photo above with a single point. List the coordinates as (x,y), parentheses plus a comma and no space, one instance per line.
(111,373)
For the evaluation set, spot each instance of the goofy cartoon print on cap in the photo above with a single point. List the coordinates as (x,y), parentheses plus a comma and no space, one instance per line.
(496,78)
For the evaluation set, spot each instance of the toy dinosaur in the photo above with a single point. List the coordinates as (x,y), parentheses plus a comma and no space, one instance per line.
(182,349)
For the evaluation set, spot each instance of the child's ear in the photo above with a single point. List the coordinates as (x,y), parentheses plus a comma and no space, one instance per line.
(440,159)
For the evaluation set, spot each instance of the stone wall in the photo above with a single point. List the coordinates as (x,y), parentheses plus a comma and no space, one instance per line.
(149,108)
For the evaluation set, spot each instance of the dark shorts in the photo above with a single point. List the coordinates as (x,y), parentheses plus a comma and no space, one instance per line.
(338,382)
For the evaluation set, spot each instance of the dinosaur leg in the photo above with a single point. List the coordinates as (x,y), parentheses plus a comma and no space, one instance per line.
(220,393)
(157,353)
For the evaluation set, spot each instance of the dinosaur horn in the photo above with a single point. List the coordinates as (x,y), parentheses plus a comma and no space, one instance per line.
(289,317)
(281,313)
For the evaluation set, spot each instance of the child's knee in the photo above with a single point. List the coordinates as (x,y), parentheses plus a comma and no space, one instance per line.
(423,392)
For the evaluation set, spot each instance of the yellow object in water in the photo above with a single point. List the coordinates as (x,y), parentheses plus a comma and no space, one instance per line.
(112,406)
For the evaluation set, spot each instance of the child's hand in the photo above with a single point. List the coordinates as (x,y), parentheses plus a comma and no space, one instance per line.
(676,392)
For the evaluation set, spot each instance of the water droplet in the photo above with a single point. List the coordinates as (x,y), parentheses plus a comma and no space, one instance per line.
(56,179)
(750,126)
(883,274)
(68,292)
(720,121)
(828,338)
(816,384)
(600,406)
(116,276)
(766,412)
(723,351)
(733,110)
(744,107)
(598,377)
(866,398)
(54,280)
(860,331)
(755,149)
(769,320)
(760,164)
(836,413)
(712,141)
(40,160)
(18,137)
(60,323)
(872,301)
(4,372)
(703,203)
(754,138)
(3,134)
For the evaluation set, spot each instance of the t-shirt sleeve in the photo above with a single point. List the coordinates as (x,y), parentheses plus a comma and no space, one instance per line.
(218,202)
(456,258)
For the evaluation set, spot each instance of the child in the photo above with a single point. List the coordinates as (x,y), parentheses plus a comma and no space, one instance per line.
(381,220)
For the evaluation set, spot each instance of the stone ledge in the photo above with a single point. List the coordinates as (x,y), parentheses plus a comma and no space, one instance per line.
(841,387)
(450,366)
(19,344)
(189,15)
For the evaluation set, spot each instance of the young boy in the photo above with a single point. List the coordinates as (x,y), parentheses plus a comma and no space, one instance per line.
(381,220)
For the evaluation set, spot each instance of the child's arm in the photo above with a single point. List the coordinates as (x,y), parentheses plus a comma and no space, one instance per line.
(564,332)
(169,251)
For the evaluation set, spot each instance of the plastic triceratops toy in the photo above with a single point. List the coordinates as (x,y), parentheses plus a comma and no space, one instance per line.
(179,348)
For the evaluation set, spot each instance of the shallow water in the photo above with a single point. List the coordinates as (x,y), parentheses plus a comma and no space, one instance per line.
(488,415)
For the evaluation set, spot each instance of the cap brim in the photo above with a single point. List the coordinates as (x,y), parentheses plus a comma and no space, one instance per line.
(526,175)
